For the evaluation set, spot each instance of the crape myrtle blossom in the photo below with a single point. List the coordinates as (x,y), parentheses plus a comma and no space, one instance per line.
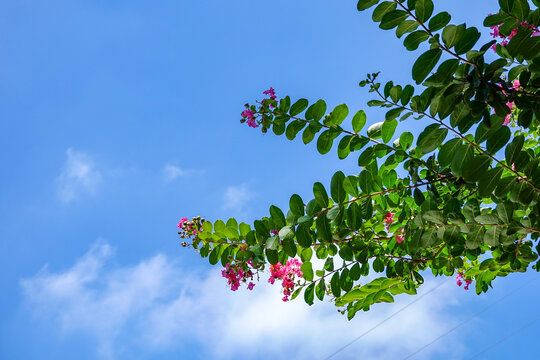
(497,34)
(236,273)
(460,279)
(253,115)
(287,274)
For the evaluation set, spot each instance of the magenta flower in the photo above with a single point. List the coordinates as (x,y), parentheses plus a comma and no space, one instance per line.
(399,238)
(248,114)
(270,92)
(250,286)
(274,232)
(181,222)
(252,123)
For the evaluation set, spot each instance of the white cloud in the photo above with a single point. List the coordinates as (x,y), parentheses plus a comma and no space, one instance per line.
(78,176)
(236,198)
(159,306)
(171,172)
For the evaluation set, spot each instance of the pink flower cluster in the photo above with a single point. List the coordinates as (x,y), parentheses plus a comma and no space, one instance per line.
(388,220)
(286,273)
(235,274)
(515,85)
(497,34)
(249,114)
(460,279)
(190,227)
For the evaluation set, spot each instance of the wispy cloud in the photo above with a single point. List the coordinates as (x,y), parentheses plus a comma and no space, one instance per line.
(236,198)
(172,172)
(78,176)
(156,305)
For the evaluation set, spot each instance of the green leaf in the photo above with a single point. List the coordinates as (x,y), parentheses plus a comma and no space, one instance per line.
(491,237)
(439,21)
(325,141)
(366,4)
(392,19)
(406,140)
(334,285)
(521,9)
(277,216)
(393,113)
(375,130)
(286,233)
(350,184)
(290,247)
(414,39)
(388,129)
(336,187)
(476,167)
(309,294)
(316,111)
(339,114)
(425,63)
(423,10)
(406,27)
(343,146)
(451,34)
(358,121)
(298,107)
(366,157)
(463,154)
(324,233)
(303,236)
(296,205)
(321,196)
(488,182)
(447,152)
(431,138)
(498,140)
(320,290)
(505,211)
(382,9)
(467,40)
(293,128)
(513,149)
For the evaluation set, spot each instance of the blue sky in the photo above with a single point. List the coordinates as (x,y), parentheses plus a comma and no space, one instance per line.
(120,117)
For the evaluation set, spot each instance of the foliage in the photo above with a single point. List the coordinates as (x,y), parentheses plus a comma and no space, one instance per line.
(462,198)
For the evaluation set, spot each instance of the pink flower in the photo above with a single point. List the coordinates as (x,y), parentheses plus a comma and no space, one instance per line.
(516,84)
(467,283)
(270,92)
(252,123)
(513,167)
(247,114)
(512,107)
(388,219)
(287,274)
(399,239)
(250,286)
(181,222)
(274,232)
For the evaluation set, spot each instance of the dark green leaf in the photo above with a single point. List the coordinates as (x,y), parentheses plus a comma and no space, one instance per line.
(423,10)
(414,39)
(316,111)
(488,182)
(382,9)
(425,63)
(309,294)
(405,27)
(392,19)
(498,140)
(298,107)
(439,21)
(325,141)
(452,34)
(431,138)
(336,187)
(476,167)
(467,40)
(320,194)
(334,285)
(366,4)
